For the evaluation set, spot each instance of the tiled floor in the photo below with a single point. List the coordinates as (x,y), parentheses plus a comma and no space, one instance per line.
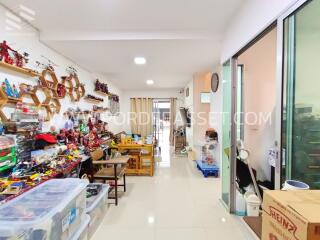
(178,203)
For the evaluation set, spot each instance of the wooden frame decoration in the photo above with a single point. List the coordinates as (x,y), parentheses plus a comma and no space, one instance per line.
(50,88)
(69,87)
(48,84)
(82,90)
(3,102)
(76,86)
(75,89)
(30,93)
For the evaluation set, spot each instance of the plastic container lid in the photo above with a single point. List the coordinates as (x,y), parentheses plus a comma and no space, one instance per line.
(40,203)
(92,202)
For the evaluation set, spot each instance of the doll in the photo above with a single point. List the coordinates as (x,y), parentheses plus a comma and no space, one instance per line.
(62,137)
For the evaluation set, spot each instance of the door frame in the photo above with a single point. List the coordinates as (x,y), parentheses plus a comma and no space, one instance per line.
(279,23)
(231,207)
(281,86)
(233,155)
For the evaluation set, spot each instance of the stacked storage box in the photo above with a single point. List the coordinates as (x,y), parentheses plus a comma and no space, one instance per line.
(97,207)
(52,210)
(82,233)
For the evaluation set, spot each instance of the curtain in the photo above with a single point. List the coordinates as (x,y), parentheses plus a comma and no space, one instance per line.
(173,108)
(141,116)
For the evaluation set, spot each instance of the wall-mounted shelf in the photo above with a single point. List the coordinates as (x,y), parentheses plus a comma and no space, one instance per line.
(92,100)
(82,90)
(51,82)
(25,71)
(102,93)
(69,87)
(32,94)
(5,101)
(49,86)
(13,100)
(101,111)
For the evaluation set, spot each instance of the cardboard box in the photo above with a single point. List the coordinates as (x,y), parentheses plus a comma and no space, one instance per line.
(291,215)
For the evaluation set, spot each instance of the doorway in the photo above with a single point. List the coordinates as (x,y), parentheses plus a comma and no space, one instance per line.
(249,108)
(256,102)
(161,130)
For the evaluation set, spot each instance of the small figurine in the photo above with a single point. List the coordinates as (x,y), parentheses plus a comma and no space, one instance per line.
(3,86)
(71,70)
(71,139)
(15,92)
(49,66)
(4,52)
(53,130)
(90,124)
(20,59)
(1,128)
(8,88)
(61,137)
(61,90)
(83,127)
(102,87)
(69,125)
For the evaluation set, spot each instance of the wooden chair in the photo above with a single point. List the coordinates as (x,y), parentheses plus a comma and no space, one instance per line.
(110,170)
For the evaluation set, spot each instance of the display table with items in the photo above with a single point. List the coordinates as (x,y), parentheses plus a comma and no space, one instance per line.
(42,166)
(141,161)
(44,193)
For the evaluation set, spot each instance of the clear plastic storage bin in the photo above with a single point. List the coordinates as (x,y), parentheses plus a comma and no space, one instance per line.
(82,233)
(96,208)
(52,211)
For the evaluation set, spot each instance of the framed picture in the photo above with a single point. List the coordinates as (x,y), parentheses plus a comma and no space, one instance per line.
(205,97)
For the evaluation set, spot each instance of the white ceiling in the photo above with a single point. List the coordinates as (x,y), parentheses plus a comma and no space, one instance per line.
(177,37)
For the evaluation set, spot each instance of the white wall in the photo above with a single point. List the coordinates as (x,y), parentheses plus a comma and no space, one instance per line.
(152,93)
(251,19)
(26,38)
(216,110)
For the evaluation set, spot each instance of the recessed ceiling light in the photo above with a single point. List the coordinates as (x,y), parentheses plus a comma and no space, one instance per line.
(150,82)
(140,60)
(151,220)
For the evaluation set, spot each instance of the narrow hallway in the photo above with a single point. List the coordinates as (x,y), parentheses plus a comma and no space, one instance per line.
(178,203)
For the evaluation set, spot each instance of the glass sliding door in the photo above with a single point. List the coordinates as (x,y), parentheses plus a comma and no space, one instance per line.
(301,101)
(226,132)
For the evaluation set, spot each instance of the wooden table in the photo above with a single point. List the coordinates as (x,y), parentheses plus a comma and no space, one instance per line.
(114,174)
(114,161)
(138,160)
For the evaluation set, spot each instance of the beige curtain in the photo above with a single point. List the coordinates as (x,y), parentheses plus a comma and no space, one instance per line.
(173,108)
(141,116)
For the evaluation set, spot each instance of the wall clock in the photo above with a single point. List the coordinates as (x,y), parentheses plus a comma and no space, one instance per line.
(214,82)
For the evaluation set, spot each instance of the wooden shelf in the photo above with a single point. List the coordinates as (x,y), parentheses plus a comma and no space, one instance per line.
(92,100)
(102,93)
(101,111)
(24,71)
(14,100)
